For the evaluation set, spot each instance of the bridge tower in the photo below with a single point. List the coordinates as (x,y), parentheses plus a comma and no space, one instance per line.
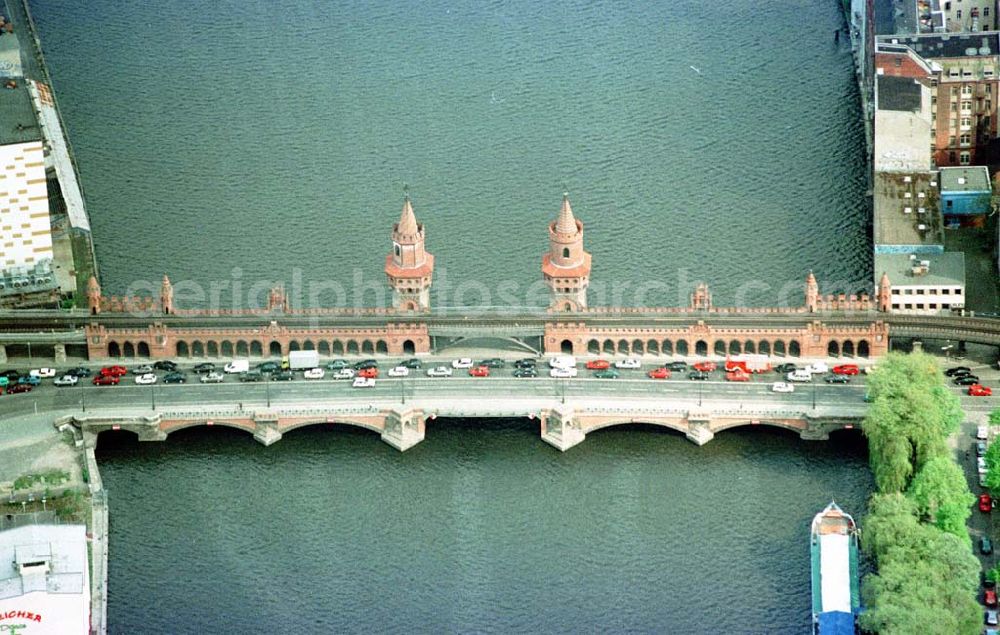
(812,293)
(166,296)
(93,295)
(566,266)
(884,294)
(409,267)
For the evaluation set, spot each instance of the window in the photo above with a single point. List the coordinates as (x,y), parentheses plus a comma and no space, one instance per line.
(949,202)
(951,140)
(958,14)
(933,100)
(565,252)
(967,105)
(945,291)
(964,158)
(966,122)
(920,291)
(966,90)
(954,90)
(965,139)
(898,62)
(397,249)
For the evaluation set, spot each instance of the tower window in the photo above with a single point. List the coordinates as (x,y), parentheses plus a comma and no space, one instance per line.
(397,249)
(565,252)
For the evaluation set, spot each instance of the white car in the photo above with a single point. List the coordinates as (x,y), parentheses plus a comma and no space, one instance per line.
(981,464)
(399,371)
(66,380)
(629,362)
(818,368)
(562,361)
(364,382)
(213,377)
(146,379)
(463,362)
(439,371)
(344,373)
(43,373)
(562,373)
(799,375)
(982,433)
(314,373)
(780,386)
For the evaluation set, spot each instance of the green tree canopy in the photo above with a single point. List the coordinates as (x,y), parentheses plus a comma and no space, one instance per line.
(942,495)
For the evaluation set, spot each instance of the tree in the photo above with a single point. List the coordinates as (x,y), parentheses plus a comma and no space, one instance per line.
(992,458)
(995,417)
(942,495)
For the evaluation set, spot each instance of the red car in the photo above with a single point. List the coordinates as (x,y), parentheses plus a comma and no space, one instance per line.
(737,375)
(13,389)
(659,373)
(106,380)
(985,503)
(705,367)
(598,364)
(114,371)
(978,390)
(370,373)
(846,369)
(990,597)
(479,371)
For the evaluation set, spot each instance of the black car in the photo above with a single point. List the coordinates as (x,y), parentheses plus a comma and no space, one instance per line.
(268,367)
(961,373)
(285,375)
(698,375)
(337,364)
(412,363)
(785,368)
(679,367)
(204,367)
(163,364)
(985,545)
(525,371)
(837,379)
(79,371)
(366,363)
(965,380)
(252,375)
(174,378)
(11,374)
(958,370)
(528,362)
(493,362)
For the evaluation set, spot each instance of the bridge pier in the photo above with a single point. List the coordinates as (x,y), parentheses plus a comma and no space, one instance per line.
(699,427)
(60,354)
(404,428)
(266,429)
(560,429)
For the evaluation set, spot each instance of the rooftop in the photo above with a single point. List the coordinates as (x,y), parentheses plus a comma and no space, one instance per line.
(906,209)
(937,45)
(972,178)
(63,547)
(898,93)
(17,116)
(943,269)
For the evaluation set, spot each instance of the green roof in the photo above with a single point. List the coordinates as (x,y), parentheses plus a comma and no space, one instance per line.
(18,123)
(973,178)
(944,269)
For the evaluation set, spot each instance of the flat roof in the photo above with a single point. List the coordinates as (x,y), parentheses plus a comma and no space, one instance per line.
(945,269)
(937,45)
(898,93)
(898,204)
(65,548)
(18,123)
(835,572)
(969,178)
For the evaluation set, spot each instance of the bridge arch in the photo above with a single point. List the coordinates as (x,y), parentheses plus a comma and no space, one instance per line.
(308,345)
(593,347)
(734,347)
(796,427)
(600,425)
(352,347)
(381,348)
(719,348)
(863,349)
(794,350)
(182,349)
(779,348)
(227,348)
(701,348)
(764,347)
(637,347)
(323,348)
(609,347)
(174,426)
(256,348)
(847,348)
(566,347)
(128,350)
(667,347)
(749,347)
(833,349)
(367,347)
(142,350)
(294,345)
(653,347)
(274,349)
(337,347)
(623,347)
(682,347)
(197,349)
(114,350)
(367,425)
(409,347)
(212,348)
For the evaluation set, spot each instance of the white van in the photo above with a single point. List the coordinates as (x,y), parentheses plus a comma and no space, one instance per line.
(563,361)
(237,366)
(799,375)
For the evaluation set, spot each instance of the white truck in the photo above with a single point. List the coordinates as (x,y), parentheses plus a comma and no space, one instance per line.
(301,360)
(237,366)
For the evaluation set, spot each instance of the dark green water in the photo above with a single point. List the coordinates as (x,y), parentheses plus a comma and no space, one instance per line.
(262,141)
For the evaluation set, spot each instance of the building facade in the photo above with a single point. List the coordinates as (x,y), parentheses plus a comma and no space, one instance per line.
(924,284)
(566,266)
(965,191)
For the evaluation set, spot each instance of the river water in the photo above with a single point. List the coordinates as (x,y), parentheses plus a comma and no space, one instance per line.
(252,141)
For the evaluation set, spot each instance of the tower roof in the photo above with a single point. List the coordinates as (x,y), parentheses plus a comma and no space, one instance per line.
(407,220)
(566,223)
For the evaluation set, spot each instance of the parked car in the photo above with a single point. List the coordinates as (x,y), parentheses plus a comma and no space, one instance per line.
(780,386)
(837,379)
(174,377)
(951,372)
(412,364)
(237,366)
(29,379)
(991,615)
(252,375)
(365,363)
(698,375)
(982,432)
(268,367)
(439,371)
(986,548)
(363,382)
(44,373)
(145,369)
(104,380)
(526,362)
(976,390)
(370,372)
(344,373)
(146,379)
(981,464)
(631,363)
(11,374)
(462,362)
(598,364)
(66,380)
(990,597)
(659,373)
(283,375)
(204,367)
(214,377)
(4,381)
(165,364)
(784,369)
(846,369)
(965,380)
(493,362)
(79,371)
(562,373)
(985,503)
(479,371)
(818,367)
(526,371)
(115,371)
(607,373)
(314,373)
(705,367)
(677,367)
(337,364)
(799,375)
(13,389)
(981,448)
(399,371)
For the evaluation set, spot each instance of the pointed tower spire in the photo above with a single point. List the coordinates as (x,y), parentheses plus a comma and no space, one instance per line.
(566,223)
(884,294)
(566,266)
(93,295)
(166,295)
(409,267)
(407,220)
(812,293)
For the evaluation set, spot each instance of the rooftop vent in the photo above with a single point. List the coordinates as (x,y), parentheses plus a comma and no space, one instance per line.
(921,210)
(918,270)
(907,195)
(907,210)
(961,180)
(907,179)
